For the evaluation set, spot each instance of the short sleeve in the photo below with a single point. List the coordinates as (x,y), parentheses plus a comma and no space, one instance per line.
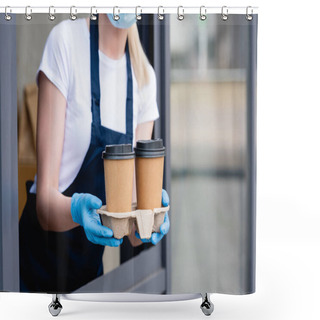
(55,62)
(148,110)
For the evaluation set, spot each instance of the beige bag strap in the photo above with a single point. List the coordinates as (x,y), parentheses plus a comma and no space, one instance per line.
(28,125)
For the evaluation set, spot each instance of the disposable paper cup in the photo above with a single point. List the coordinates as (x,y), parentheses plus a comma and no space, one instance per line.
(149,173)
(118,175)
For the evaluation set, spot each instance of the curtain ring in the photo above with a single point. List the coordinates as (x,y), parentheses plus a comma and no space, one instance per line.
(52,11)
(203,13)
(249,16)
(6,15)
(28,13)
(224,13)
(160,15)
(180,13)
(138,15)
(73,13)
(116,17)
(93,16)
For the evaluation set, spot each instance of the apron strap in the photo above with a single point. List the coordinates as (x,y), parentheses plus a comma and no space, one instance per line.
(95,80)
(129,101)
(94,60)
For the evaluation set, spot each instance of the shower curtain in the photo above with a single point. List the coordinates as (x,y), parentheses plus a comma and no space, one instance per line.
(200,95)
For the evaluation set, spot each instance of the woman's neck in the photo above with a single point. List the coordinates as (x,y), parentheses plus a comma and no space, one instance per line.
(112,40)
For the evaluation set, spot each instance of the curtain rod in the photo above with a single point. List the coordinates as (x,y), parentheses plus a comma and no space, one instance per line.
(160,10)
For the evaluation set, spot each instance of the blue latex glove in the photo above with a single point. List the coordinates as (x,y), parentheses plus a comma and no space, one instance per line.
(164,228)
(83,211)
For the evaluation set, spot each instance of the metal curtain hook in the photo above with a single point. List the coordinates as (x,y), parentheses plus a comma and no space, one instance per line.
(28,13)
(52,11)
(180,13)
(249,16)
(93,16)
(73,13)
(224,13)
(160,15)
(6,15)
(138,15)
(116,16)
(203,13)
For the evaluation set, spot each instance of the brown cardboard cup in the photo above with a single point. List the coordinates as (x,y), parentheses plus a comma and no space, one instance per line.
(118,175)
(149,173)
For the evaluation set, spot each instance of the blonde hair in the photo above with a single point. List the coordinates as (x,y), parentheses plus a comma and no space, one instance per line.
(138,58)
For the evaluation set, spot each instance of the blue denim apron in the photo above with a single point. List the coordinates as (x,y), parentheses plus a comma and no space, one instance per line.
(61,262)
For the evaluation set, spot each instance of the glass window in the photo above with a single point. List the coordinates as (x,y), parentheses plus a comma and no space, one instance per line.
(208,151)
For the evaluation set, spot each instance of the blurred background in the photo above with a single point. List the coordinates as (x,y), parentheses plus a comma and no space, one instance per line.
(210,215)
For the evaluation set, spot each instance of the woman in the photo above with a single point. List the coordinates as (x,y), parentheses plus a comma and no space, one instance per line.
(89,96)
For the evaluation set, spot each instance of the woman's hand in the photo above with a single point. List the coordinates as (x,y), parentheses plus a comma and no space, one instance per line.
(164,228)
(83,211)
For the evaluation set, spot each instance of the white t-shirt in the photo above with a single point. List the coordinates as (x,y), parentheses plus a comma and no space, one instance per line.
(66,63)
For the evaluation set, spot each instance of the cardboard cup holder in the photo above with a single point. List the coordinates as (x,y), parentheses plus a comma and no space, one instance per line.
(146,221)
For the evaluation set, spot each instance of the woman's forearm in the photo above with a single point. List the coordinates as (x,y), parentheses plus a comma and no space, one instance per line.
(53,211)
(53,208)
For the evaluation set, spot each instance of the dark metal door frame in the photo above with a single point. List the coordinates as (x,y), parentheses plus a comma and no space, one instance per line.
(9,237)
(162,59)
